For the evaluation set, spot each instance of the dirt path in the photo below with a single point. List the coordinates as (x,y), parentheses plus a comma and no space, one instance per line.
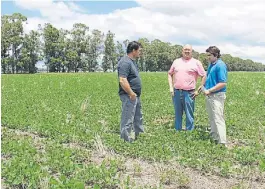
(152,174)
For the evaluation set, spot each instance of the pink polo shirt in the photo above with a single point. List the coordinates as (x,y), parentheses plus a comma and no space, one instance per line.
(186,72)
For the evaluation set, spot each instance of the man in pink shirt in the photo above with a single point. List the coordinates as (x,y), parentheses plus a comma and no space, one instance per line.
(182,79)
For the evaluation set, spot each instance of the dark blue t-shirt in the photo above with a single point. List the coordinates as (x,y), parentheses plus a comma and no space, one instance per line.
(128,68)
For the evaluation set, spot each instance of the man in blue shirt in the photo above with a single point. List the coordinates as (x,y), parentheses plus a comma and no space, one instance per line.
(215,91)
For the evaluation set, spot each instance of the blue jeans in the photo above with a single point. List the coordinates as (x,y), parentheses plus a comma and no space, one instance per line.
(183,101)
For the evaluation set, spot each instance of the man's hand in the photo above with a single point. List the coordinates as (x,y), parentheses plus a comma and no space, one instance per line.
(133,96)
(196,93)
(172,91)
(207,92)
(200,88)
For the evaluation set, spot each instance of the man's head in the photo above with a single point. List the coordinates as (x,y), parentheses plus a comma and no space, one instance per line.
(213,53)
(134,49)
(187,52)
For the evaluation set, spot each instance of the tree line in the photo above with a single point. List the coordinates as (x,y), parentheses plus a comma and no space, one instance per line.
(81,49)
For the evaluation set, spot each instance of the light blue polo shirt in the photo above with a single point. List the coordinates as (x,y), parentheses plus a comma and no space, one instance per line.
(216,73)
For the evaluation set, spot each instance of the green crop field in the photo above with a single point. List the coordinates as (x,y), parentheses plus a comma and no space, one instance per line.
(62,131)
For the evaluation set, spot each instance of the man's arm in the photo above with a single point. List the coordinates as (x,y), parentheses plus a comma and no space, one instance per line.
(126,87)
(170,79)
(123,72)
(201,73)
(217,87)
(170,82)
(202,83)
(221,79)
(197,92)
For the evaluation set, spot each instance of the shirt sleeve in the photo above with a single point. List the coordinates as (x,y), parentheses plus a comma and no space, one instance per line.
(172,69)
(200,69)
(222,74)
(124,69)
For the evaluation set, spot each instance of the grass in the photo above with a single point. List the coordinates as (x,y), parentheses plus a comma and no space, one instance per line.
(80,108)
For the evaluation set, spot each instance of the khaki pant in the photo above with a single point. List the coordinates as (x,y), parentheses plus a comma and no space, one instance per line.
(215,109)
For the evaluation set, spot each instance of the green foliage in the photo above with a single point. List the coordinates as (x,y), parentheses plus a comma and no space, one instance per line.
(109,58)
(74,108)
(79,50)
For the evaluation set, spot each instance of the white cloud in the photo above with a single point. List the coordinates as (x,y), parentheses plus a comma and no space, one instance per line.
(75,7)
(51,10)
(217,19)
(34,4)
(236,27)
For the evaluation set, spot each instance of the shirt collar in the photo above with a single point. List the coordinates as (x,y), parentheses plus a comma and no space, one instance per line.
(216,61)
(130,58)
(186,60)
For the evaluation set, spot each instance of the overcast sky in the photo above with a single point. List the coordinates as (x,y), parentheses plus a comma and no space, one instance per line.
(237,27)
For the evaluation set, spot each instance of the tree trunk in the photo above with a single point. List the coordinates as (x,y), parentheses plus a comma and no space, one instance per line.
(4,68)
(13,67)
(75,67)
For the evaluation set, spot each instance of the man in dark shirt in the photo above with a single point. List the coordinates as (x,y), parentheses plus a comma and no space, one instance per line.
(130,92)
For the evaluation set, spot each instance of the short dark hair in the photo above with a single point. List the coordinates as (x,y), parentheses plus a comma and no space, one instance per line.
(214,51)
(134,45)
